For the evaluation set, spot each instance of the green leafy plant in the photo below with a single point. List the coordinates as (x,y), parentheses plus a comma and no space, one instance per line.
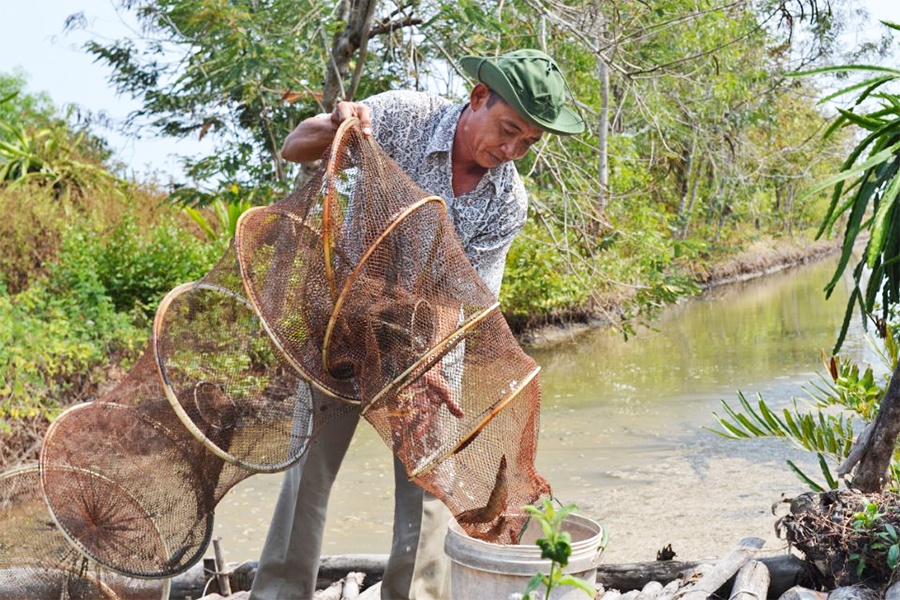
(135,264)
(56,154)
(870,199)
(56,347)
(556,545)
(816,426)
(539,281)
(226,218)
(865,197)
(888,540)
(867,517)
(883,540)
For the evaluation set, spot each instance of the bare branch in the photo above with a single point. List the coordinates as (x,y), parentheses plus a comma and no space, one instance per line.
(392,26)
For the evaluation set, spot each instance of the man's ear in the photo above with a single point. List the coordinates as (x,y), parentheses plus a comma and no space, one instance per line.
(479,95)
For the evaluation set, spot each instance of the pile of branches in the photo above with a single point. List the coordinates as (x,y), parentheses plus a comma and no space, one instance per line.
(20,441)
(847,537)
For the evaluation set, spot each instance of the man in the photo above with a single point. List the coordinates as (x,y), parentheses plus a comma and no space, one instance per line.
(463,153)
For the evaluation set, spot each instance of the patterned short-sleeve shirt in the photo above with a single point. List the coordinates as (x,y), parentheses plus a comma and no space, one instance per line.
(416,130)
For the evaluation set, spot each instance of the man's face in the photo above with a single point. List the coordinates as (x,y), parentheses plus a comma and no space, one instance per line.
(498,133)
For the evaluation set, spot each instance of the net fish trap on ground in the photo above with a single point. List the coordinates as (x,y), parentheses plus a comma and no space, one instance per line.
(39,562)
(355,288)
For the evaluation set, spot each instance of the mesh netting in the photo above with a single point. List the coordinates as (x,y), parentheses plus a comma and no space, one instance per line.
(362,280)
(38,562)
(133,478)
(356,286)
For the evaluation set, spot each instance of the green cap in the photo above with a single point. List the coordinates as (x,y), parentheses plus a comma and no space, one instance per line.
(530,82)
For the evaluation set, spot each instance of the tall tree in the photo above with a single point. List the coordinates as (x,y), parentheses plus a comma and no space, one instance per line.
(677,94)
(244,72)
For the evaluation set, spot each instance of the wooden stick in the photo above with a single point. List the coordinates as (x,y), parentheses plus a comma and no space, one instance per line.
(221,575)
(751,583)
(722,571)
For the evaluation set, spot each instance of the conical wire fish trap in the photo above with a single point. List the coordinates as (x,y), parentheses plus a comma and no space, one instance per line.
(355,287)
(134,477)
(39,562)
(362,280)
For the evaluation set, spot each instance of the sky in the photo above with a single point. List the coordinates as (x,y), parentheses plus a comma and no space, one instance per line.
(32,37)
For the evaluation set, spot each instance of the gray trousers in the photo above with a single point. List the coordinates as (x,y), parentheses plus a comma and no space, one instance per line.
(417,568)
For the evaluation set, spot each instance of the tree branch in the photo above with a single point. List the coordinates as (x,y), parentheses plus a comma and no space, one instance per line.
(389,27)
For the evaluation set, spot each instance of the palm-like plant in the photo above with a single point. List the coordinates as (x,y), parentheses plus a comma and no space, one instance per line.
(816,426)
(50,154)
(227,215)
(867,192)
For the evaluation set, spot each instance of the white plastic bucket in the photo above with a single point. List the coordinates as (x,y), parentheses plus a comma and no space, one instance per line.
(483,571)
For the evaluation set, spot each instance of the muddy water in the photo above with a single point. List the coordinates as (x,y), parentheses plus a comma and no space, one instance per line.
(623,428)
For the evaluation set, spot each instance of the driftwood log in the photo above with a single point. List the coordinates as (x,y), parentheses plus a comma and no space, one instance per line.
(784,571)
(723,571)
(751,582)
(736,576)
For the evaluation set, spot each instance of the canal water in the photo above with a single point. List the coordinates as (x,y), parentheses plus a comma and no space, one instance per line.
(625,428)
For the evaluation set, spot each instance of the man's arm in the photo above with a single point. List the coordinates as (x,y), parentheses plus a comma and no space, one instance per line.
(309,140)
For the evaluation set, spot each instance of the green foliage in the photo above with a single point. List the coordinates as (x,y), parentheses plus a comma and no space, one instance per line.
(884,544)
(556,546)
(84,259)
(17,105)
(865,196)
(61,335)
(822,433)
(37,146)
(240,73)
(226,218)
(56,345)
(50,156)
(706,136)
(866,518)
(866,190)
(30,234)
(539,282)
(134,266)
(826,426)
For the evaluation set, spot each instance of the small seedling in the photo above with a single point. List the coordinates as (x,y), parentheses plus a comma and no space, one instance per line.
(883,539)
(556,545)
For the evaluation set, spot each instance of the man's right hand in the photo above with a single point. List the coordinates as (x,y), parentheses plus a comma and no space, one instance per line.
(345,110)
(312,136)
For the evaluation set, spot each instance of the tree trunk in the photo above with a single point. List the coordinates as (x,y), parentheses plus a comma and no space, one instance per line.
(875,456)
(692,198)
(687,173)
(358,15)
(685,203)
(603,138)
